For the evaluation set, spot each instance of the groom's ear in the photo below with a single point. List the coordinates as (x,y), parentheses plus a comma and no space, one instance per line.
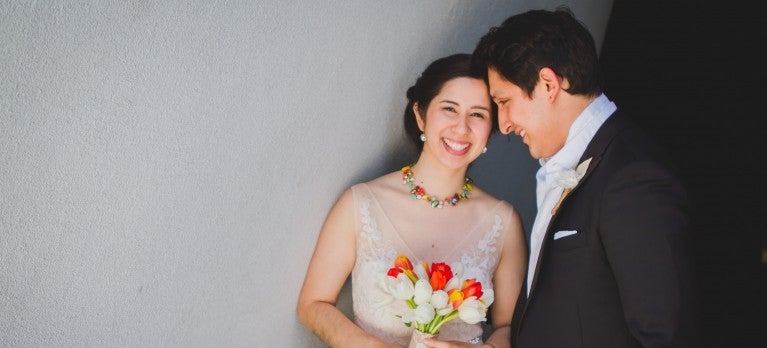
(551,82)
(421,122)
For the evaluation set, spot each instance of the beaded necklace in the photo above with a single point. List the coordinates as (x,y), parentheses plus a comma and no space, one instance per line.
(417,192)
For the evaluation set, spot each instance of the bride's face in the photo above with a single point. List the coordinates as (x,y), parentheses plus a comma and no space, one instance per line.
(458,122)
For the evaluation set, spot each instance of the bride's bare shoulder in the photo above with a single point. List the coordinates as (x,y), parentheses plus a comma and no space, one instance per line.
(386,182)
(491,202)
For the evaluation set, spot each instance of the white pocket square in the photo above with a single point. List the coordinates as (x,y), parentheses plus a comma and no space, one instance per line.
(562,234)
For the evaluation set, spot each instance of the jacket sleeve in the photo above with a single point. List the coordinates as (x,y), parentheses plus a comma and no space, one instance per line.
(645,233)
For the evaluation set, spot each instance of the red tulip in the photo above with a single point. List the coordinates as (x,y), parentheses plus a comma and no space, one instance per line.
(439,274)
(394,272)
(471,287)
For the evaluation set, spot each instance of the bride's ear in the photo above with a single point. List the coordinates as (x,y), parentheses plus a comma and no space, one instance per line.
(418,118)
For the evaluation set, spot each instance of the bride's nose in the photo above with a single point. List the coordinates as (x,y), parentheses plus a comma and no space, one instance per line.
(462,124)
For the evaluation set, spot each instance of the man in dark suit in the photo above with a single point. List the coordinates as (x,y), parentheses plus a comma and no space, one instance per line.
(610,255)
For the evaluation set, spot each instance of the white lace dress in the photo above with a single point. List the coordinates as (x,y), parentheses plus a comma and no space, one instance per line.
(471,234)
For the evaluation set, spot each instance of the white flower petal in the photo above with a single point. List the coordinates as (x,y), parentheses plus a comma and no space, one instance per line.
(472,311)
(404,289)
(439,299)
(422,292)
(420,271)
(423,313)
(488,297)
(453,283)
(408,316)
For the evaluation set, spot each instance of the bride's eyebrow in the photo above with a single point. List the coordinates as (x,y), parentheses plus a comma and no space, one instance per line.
(472,107)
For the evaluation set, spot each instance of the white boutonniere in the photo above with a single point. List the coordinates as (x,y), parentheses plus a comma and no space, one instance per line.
(568,179)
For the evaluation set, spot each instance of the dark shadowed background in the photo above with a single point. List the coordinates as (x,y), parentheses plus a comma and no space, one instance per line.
(690,73)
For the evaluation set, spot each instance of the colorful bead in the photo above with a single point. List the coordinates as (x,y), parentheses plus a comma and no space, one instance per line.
(418,192)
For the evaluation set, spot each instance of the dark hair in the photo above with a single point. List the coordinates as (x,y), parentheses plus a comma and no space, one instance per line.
(528,42)
(429,84)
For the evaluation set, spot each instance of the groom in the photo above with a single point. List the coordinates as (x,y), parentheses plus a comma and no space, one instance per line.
(610,259)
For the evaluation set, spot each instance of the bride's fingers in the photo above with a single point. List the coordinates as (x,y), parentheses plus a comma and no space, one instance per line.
(434,343)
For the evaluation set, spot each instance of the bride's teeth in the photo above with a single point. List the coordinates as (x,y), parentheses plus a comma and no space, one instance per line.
(522,133)
(454,146)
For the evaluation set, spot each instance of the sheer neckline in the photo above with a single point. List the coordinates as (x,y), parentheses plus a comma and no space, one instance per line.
(448,255)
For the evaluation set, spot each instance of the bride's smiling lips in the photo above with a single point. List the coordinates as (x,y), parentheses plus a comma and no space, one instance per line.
(455,147)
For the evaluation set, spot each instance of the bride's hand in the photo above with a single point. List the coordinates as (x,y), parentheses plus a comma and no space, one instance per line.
(435,343)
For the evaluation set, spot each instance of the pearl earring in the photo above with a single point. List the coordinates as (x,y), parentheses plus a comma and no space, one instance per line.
(423,137)
(484,150)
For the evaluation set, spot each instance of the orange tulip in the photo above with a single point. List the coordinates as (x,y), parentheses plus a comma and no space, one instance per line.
(455,297)
(403,263)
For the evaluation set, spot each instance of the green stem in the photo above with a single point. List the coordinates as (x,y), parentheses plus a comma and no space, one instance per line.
(443,320)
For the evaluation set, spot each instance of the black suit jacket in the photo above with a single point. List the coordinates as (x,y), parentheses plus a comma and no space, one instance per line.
(624,279)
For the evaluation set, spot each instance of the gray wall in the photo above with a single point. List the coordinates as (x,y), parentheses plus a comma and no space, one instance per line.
(165,166)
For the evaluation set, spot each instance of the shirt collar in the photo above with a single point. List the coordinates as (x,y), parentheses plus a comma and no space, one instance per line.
(581,132)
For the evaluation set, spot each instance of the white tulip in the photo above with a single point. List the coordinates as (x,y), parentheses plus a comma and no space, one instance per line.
(423,313)
(407,316)
(453,283)
(488,297)
(439,300)
(404,287)
(420,270)
(472,311)
(423,292)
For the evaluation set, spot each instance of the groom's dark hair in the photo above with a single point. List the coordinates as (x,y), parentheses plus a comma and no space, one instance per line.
(525,43)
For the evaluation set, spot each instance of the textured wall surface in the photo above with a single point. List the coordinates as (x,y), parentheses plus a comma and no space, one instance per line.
(165,166)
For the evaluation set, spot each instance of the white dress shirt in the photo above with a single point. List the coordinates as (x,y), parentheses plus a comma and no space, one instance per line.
(547,192)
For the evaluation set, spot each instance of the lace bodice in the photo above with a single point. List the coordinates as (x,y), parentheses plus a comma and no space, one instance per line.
(388,226)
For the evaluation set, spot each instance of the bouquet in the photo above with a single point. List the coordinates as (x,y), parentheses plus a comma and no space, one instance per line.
(434,294)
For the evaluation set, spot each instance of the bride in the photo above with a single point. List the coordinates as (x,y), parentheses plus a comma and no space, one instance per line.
(428,211)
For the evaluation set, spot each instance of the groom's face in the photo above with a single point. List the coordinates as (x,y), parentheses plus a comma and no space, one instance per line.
(524,115)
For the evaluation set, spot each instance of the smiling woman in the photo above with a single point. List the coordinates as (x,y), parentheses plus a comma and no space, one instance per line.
(449,117)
